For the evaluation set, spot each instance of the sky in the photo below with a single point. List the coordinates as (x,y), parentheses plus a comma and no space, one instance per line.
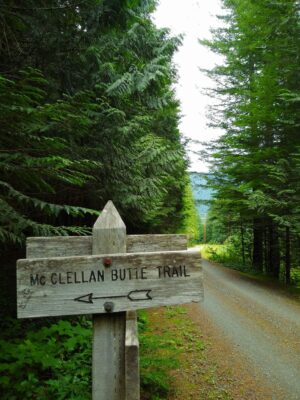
(193,18)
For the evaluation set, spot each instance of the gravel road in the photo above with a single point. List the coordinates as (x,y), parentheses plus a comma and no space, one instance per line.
(259,322)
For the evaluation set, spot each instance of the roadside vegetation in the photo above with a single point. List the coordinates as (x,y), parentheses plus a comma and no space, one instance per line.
(227,255)
(48,359)
(174,363)
(88,114)
(53,360)
(255,163)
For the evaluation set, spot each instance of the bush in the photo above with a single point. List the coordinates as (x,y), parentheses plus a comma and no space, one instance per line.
(53,362)
(228,253)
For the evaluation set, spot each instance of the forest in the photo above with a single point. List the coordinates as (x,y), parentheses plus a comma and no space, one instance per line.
(88,113)
(255,164)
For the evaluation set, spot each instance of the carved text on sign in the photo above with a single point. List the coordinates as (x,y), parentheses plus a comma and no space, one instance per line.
(70,277)
(48,286)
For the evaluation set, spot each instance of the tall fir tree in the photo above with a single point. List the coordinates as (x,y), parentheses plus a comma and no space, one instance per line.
(255,160)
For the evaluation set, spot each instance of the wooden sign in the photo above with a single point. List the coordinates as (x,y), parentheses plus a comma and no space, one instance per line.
(67,246)
(105,275)
(107,283)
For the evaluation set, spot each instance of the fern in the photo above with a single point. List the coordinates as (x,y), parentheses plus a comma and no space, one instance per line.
(103,127)
(32,164)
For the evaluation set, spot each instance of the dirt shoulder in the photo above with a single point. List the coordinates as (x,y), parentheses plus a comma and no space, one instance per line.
(210,368)
(241,343)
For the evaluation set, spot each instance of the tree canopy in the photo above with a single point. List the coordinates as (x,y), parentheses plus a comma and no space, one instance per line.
(256,160)
(88,114)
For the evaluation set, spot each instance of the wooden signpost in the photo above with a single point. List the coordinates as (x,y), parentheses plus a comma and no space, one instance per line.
(106,275)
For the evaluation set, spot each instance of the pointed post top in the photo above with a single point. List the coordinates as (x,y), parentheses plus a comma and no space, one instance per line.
(109,218)
(109,237)
(109,232)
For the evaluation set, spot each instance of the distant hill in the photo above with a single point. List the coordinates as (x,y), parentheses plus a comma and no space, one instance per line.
(201,192)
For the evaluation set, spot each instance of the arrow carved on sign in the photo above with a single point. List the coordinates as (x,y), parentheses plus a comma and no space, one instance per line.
(134,295)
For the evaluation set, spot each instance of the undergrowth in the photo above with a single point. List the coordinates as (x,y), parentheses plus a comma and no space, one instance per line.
(49,362)
(224,254)
(54,361)
(159,356)
(227,255)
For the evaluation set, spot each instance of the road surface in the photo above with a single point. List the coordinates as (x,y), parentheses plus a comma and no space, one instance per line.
(259,322)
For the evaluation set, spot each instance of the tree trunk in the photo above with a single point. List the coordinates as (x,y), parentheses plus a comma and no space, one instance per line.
(204,230)
(243,243)
(266,251)
(274,253)
(287,256)
(257,260)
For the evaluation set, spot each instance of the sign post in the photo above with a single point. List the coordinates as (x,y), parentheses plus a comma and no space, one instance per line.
(98,275)
(109,237)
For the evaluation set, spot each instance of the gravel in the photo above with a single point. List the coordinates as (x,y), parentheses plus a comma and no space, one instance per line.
(259,322)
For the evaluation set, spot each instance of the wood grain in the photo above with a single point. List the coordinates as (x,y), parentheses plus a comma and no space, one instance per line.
(132,368)
(67,278)
(149,243)
(109,235)
(68,246)
(70,276)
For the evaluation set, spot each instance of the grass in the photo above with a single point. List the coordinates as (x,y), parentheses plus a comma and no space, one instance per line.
(159,355)
(173,358)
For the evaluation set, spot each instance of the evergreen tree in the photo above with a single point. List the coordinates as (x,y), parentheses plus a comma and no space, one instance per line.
(100,108)
(255,160)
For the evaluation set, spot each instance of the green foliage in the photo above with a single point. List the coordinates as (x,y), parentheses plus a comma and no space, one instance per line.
(227,253)
(214,252)
(256,172)
(215,229)
(87,114)
(158,355)
(54,361)
(80,127)
(190,217)
(33,163)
